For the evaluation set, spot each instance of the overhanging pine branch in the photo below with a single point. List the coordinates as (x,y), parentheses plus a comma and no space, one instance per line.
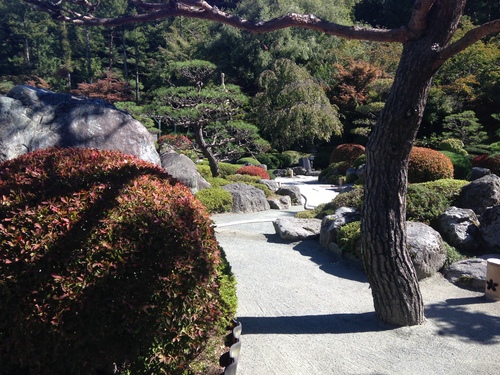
(471,37)
(202,10)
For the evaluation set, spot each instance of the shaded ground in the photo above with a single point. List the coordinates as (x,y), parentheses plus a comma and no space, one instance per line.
(302,313)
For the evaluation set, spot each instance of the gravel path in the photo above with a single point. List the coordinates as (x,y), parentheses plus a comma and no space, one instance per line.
(303,313)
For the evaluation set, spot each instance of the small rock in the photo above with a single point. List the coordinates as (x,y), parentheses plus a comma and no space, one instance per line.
(294,229)
(468,274)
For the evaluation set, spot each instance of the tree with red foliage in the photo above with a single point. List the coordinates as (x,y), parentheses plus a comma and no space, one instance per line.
(110,89)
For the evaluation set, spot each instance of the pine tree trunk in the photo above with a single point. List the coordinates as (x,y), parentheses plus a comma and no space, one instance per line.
(212,161)
(392,277)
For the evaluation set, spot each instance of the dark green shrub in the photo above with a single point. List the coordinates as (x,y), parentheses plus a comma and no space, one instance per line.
(347,152)
(426,201)
(270,160)
(252,170)
(286,160)
(248,160)
(452,145)
(333,172)
(352,198)
(359,161)
(487,161)
(462,166)
(428,165)
(216,199)
(293,158)
(348,236)
(227,169)
(105,259)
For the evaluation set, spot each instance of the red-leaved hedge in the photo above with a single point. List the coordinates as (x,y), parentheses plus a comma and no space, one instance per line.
(254,171)
(428,165)
(487,161)
(347,152)
(104,260)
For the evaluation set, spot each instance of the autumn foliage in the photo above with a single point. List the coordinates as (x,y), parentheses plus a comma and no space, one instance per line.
(110,89)
(428,165)
(347,152)
(252,170)
(104,259)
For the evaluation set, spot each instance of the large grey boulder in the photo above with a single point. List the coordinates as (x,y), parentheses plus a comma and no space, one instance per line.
(468,273)
(332,223)
(481,194)
(426,248)
(460,228)
(247,198)
(490,229)
(295,229)
(32,119)
(184,169)
(293,192)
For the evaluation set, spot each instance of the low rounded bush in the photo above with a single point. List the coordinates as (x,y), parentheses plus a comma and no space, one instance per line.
(428,165)
(333,172)
(487,161)
(347,152)
(293,158)
(104,260)
(252,170)
(348,236)
(452,145)
(227,169)
(286,159)
(216,199)
(462,166)
(248,160)
(426,201)
(270,160)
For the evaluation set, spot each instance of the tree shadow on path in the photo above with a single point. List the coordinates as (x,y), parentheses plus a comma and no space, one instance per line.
(343,268)
(314,324)
(454,319)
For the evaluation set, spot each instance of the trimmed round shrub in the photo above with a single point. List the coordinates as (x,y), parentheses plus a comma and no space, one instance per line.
(286,160)
(293,158)
(428,165)
(248,160)
(216,199)
(227,169)
(462,166)
(104,259)
(487,161)
(347,152)
(333,172)
(252,170)
(270,160)
(452,145)
(426,201)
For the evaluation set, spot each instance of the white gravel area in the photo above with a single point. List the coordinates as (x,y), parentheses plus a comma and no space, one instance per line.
(303,313)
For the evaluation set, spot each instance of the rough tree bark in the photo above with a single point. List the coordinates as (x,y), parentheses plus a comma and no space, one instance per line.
(426,39)
(392,277)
